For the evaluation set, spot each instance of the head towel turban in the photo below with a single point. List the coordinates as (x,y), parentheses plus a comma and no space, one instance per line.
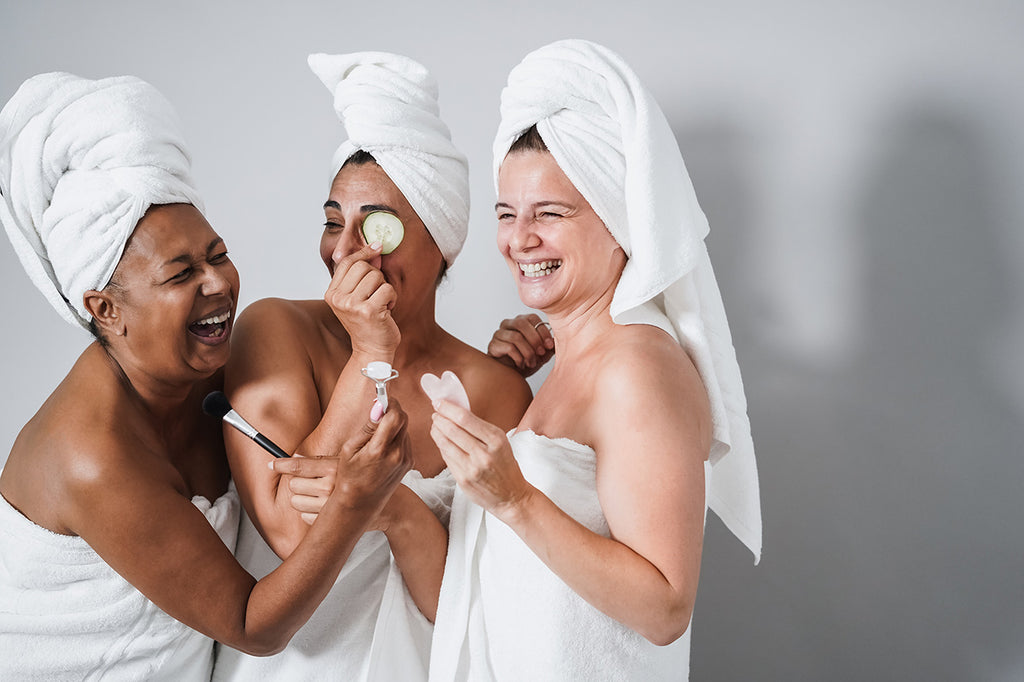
(612,141)
(388,105)
(81,161)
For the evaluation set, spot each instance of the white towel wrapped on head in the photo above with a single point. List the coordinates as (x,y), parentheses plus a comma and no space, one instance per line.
(610,138)
(388,105)
(81,161)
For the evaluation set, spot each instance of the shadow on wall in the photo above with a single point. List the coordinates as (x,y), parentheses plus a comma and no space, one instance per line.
(894,540)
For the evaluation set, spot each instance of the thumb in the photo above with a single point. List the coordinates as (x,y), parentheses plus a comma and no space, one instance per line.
(358,441)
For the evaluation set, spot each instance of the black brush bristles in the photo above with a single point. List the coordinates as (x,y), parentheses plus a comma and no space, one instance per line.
(216,405)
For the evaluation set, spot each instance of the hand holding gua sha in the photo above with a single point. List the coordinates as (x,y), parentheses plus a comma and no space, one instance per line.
(380,373)
(446,387)
(385,228)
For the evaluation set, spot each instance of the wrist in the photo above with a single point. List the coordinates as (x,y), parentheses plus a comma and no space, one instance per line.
(356,501)
(394,519)
(517,511)
(365,353)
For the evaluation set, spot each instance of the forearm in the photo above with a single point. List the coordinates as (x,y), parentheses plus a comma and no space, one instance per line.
(350,403)
(419,543)
(606,573)
(284,600)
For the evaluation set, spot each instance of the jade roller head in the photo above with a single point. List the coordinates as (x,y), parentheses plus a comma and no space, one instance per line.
(380,373)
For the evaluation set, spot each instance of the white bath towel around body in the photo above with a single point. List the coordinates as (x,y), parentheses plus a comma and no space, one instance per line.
(367,629)
(504,616)
(65,615)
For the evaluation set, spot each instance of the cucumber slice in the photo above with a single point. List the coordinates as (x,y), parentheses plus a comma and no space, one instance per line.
(385,228)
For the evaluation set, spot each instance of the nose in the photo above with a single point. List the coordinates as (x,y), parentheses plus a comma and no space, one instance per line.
(523,235)
(342,243)
(215,280)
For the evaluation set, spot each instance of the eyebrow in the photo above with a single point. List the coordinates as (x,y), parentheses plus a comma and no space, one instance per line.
(187,258)
(534,205)
(365,208)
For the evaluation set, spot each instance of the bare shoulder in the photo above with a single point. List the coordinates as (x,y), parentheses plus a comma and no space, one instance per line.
(71,457)
(497,393)
(643,376)
(642,356)
(273,319)
(274,332)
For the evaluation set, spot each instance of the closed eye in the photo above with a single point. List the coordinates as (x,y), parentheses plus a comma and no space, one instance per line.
(219,258)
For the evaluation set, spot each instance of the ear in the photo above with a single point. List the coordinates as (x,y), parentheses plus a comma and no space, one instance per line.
(104,309)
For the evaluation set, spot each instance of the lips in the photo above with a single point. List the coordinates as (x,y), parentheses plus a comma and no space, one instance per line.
(212,329)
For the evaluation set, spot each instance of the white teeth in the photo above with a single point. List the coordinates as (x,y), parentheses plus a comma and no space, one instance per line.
(540,269)
(216,320)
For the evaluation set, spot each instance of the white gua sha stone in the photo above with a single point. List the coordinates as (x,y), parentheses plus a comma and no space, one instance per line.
(447,387)
(380,373)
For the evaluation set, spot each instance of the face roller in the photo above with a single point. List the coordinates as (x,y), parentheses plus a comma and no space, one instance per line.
(380,373)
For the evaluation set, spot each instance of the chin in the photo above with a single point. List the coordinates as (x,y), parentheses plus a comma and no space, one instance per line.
(538,300)
(211,362)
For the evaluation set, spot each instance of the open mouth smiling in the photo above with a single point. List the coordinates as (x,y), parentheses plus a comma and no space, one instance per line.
(213,327)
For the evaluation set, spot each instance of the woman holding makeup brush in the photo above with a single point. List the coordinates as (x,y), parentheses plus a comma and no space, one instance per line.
(116,517)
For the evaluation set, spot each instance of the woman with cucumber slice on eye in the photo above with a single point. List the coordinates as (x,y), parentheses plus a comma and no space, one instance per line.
(396,216)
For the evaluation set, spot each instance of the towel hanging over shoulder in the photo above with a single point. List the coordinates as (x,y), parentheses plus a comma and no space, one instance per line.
(611,139)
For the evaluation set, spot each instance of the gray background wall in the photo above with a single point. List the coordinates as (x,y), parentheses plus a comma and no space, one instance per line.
(860,164)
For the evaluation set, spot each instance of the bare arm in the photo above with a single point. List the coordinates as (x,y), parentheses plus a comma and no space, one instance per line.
(418,540)
(650,485)
(271,380)
(136,520)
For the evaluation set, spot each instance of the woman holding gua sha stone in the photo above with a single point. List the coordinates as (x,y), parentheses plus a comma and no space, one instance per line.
(575,541)
(396,217)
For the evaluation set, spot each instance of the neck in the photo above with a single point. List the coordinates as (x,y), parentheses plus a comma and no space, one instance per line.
(165,400)
(577,329)
(421,335)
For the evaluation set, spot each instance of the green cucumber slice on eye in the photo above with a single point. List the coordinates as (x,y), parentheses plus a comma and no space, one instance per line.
(385,228)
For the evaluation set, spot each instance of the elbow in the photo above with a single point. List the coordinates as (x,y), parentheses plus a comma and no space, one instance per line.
(671,622)
(283,531)
(260,645)
(282,544)
(263,649)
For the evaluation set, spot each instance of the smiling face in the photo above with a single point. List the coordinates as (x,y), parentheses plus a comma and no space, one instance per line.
(561,256)
(413,268)
(174,295)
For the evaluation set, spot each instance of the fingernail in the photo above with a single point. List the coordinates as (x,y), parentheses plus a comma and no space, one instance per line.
(436,404)
(376,412)
(376,246)
(270,465)
(541,350)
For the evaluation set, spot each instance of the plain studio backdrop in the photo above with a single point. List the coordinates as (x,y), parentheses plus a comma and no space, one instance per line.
(861,165)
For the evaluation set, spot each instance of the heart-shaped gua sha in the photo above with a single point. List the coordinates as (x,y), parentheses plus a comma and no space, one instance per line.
(446,387)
